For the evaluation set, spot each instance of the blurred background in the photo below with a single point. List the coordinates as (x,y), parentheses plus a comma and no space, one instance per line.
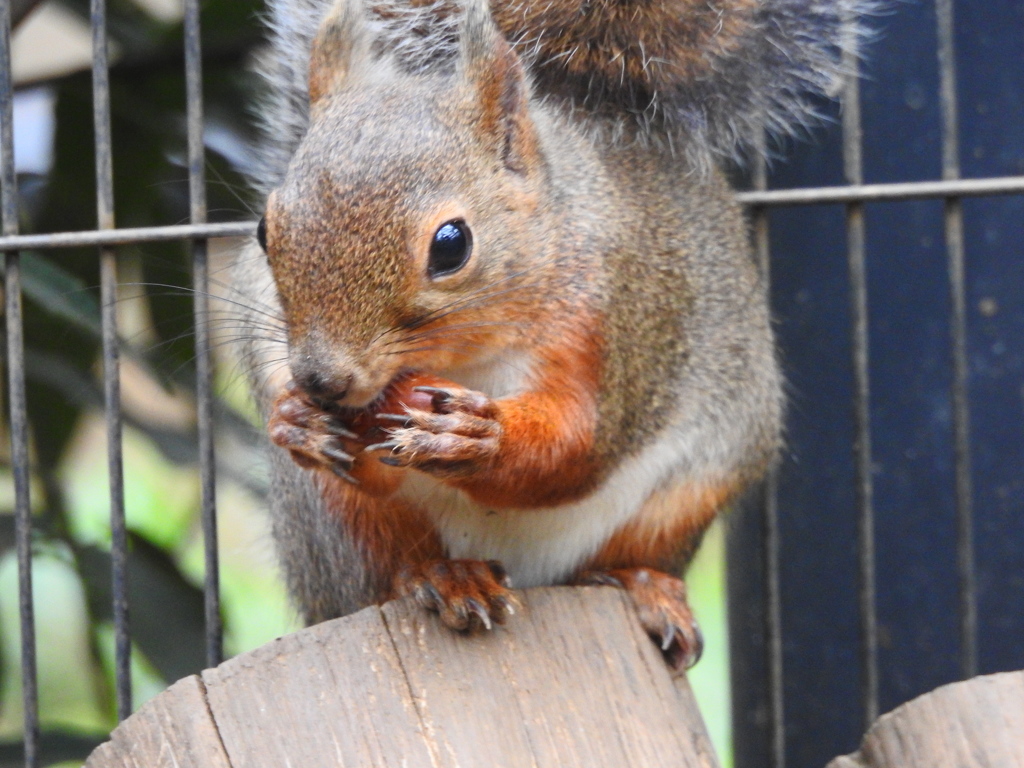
(56,175)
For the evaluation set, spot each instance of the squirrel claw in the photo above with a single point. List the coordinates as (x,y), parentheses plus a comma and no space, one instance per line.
(468,595)
(435,391)
(499,573)
(670,635)
(662,607)
(314,438)
(401,419)
(440,399)
(506,606)
(388,446)
(693,649)
(428,596)
(445,445)
(458,400)
(599,579)
(339,456)
(333,428)
(476,608)
(344,475)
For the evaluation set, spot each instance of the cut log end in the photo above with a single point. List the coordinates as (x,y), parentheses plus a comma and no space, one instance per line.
(978,723)
(572,680)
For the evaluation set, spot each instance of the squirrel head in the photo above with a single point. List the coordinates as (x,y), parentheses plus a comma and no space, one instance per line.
(409,223)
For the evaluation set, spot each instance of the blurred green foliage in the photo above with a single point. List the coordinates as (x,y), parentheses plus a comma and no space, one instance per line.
(71,566)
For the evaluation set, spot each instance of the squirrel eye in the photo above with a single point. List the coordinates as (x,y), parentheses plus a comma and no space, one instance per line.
(450,248)
(261,233)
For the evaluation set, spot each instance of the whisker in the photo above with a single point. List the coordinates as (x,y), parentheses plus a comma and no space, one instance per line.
(441,348)
(229,187)
(479,293)
(476,302)
(215,344)
(465,327)
(188,361)
(214,296)
(215,315)
(436,314)
(184,271)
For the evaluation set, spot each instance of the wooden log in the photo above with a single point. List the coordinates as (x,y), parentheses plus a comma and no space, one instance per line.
(977,723)
(571,680)
(174,729)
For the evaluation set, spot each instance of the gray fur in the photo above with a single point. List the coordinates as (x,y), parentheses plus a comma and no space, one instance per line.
(321,563)
(790,56)
(284,107)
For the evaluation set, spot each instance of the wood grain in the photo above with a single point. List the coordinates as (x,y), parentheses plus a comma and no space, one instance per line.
(978,723)
(571,681)
(333,695)
(174,730)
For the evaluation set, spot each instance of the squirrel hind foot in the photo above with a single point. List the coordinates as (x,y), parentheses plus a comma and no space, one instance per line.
(662,608)
(468,595)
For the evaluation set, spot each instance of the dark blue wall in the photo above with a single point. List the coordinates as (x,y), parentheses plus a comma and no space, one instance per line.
(910,399)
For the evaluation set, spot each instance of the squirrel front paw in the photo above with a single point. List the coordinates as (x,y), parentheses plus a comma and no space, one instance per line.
(468,595)
(663,609)
(457,437)
(313,436)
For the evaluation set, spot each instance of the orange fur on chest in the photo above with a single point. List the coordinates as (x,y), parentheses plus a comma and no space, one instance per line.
(546,458)
(389,533)
(547,441)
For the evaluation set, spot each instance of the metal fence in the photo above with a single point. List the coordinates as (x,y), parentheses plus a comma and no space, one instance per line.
(107,237)
(762,724)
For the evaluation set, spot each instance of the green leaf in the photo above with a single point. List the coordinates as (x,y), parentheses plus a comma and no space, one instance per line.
(61,293)
(157,593)
(68,696)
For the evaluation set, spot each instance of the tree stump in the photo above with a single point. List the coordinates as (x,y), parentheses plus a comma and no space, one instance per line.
(571,680)
(978,723)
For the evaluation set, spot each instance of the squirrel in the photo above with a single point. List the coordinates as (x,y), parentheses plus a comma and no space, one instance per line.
(505,324)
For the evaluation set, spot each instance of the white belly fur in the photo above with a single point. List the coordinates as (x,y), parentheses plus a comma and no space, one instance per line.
(545,546)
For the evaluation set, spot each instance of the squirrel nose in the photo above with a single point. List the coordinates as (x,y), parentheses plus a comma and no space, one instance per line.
(320,385)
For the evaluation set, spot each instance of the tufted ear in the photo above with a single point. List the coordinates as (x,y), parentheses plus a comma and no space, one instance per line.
(341,46)
(495,73)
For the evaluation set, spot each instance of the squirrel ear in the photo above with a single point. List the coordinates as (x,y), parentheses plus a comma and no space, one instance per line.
(341,45)
(495,72)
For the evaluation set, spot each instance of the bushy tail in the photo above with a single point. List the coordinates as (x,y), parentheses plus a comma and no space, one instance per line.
(708,76)
(711,73)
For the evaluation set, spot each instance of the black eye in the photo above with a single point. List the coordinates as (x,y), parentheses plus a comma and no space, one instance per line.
(261,233)
(449,250)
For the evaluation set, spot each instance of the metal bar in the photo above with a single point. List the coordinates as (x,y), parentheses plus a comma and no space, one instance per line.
(872,193)
(856,257)
(18,404)
(954,231)
(204,374)
(127,236)
(770,516)
(773,621)
(111,364)
(868,193)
